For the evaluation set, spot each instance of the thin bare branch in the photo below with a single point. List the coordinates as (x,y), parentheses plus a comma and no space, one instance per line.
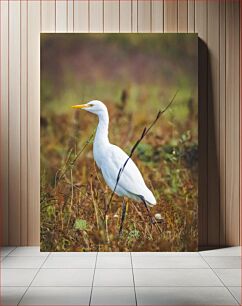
(144,133)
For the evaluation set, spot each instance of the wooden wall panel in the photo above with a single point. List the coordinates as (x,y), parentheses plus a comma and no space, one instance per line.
(14,121)
(217,24)
(4,121)
(61,16)
(33,93)
(171,16)
(144,16)
(201,29)
(111,16)
(232,121)
(96,16)
(157,16)
(222,122)
(23,124)
(183,16)
(70,15)
(134,16)
(81,16)
(48,15)
(125,16)
(213,122)
(191,16)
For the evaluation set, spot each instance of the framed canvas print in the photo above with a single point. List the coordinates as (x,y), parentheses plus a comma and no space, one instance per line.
(119,142)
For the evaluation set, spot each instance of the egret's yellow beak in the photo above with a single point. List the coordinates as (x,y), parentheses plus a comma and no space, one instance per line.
(81,106)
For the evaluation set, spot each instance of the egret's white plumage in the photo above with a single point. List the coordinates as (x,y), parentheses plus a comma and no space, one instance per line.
(110,159)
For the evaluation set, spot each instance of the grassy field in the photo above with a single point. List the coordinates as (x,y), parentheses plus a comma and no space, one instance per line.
(134,81)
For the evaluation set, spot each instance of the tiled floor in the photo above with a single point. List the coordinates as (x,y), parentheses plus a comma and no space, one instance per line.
(29,277)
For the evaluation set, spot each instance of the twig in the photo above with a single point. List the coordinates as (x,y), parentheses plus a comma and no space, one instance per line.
(83,148)
(64,168)
(72,196)
(74,160)
(144,133)
(94,204)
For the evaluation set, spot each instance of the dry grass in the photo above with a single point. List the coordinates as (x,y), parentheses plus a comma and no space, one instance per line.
(74,195)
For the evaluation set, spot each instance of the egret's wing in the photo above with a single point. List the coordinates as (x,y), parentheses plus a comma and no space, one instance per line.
(131,179)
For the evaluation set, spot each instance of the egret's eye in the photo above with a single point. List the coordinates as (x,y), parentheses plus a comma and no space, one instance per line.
(91,105)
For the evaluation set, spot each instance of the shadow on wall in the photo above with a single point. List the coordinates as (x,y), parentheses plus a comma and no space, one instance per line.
(209,176)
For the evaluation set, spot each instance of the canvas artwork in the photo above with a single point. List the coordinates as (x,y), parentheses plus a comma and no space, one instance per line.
(119,142)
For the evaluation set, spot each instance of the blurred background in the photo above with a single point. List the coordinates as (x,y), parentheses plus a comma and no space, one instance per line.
(135,75)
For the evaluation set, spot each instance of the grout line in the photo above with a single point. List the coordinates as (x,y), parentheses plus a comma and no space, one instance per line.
(220,256)
(155,286)
(90,299)
(239,302)
(91,268)
(14,248)
(220,279)
(135,295)
(27,256)
(3,258)
(34,278)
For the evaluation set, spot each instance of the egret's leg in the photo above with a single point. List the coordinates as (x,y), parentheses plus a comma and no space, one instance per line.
(122,217)
(152,219)
(148,211)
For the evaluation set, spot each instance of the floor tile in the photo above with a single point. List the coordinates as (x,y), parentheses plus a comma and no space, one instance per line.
(64,277)
(23,262)
(114,262)
(113,296)
(113,277)
(169,262)
(57,296)
(175,277)
(236,291)
(232,262)
(184,296)
(28,251)
(73,254)
(70,262)
(164,254)
(230,277)
(12,295)
(4,251)
(17,277)
(231,251)
(112,254)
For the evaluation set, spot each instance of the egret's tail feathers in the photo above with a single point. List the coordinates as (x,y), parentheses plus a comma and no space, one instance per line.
(149,198)
(151,202)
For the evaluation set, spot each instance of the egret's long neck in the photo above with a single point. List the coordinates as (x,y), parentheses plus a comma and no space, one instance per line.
(101,137)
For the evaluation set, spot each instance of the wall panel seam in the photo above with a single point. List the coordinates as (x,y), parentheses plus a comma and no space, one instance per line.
(20,97)
(240,117)
(8,130)
(225,126)
(27,108)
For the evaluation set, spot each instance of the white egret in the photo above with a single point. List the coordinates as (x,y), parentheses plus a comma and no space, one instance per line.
(110,159)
